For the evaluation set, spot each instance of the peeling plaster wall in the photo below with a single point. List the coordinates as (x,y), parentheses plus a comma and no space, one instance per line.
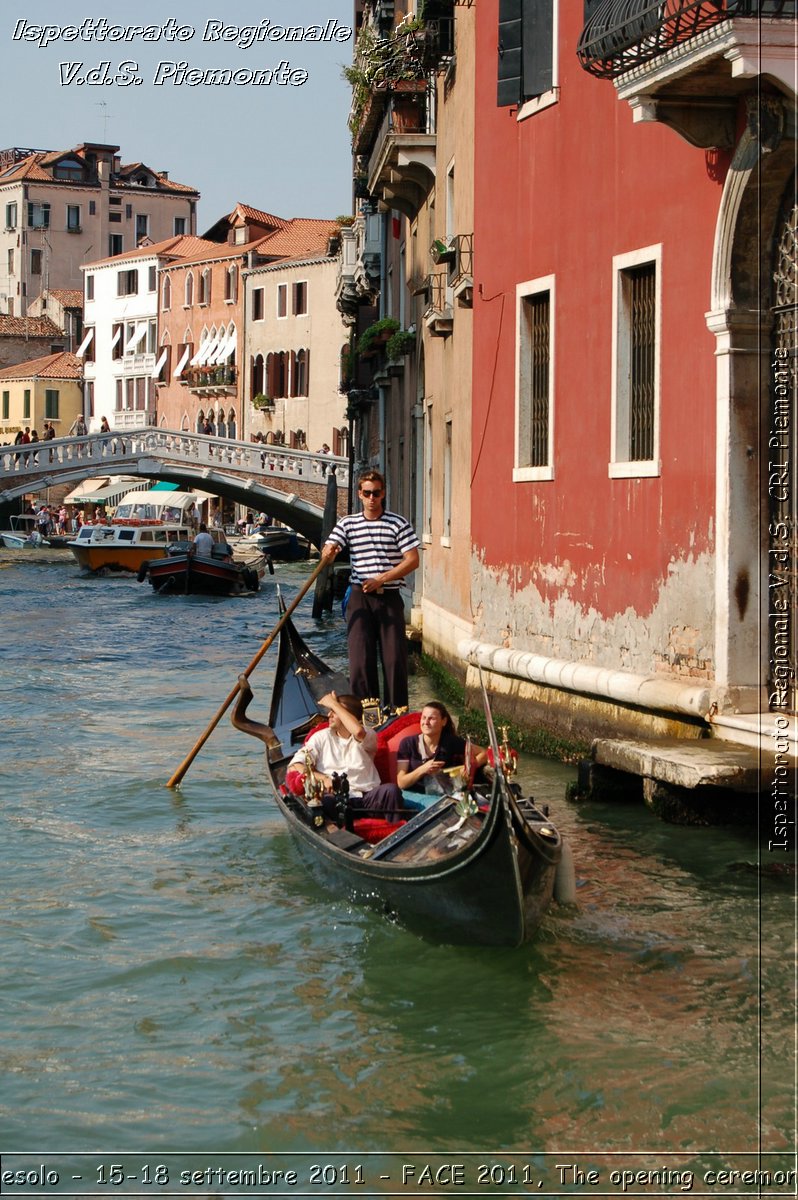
(673,637)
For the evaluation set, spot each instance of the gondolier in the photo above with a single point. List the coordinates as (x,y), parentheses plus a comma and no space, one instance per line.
(383,549)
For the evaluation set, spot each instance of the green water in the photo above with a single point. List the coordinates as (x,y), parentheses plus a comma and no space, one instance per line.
(174,979)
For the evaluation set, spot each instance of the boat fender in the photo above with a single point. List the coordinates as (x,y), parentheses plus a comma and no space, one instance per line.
(142,571)
(565,877)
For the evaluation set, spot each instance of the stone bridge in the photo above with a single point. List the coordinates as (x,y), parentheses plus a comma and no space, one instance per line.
(289,485)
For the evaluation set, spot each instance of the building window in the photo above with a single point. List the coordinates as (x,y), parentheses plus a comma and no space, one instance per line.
(73,218)
(115,218)
(180,226)
(189,291)
(428,473)
(11,262)
(446,537)
(300,299)
(527,69)
(38,215)
(300,365)
(35,262)
(257,304)
(142,226)
(92,208)
(282,299)
(26,405)
(152,279)
(205,286)
(6,405)
(11,216)
(231,285)
(89,287)
(115,244)
(51,404)
(166,293)
(635,364)
(117,347)
(127,283)
(534,381)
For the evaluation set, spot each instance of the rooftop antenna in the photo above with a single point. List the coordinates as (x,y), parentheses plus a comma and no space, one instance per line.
(106,115)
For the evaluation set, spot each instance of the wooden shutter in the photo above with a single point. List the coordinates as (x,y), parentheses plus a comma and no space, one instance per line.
(510,38)
(537,49)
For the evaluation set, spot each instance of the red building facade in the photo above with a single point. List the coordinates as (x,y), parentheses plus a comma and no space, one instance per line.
(624,315)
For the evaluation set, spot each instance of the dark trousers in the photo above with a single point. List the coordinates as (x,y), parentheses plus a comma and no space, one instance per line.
(386,800)
(375,629)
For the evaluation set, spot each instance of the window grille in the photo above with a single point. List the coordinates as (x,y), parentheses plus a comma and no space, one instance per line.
(538,316)
(641,286)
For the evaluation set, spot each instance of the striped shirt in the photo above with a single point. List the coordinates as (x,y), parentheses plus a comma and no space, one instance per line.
(374,546)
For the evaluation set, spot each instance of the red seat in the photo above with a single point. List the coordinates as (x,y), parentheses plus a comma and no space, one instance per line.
(388,744)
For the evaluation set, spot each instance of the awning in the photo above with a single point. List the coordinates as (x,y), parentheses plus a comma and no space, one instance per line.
(183,360)
(227,348)
(104,491)
(116,336)
(163,485)
(205,351)
(139,334)
(156,370)
(84,345)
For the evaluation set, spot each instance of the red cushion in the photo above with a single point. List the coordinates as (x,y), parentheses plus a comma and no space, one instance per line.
(388,740)
(374,829)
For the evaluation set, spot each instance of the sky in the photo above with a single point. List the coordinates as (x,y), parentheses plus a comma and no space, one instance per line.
(280,147)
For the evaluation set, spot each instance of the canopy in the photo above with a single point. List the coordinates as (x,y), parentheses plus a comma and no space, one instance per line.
(107,493)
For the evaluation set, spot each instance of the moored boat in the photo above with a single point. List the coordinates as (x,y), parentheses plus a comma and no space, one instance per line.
(24,535)
(279,543)
(476,866)
(143,527)
(184,572)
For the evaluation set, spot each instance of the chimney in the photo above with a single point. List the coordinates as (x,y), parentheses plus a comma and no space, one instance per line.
(164,174)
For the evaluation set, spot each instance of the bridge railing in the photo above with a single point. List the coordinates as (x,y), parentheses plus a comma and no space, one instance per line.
(95,451)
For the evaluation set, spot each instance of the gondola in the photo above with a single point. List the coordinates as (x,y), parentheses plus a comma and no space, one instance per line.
(475,867)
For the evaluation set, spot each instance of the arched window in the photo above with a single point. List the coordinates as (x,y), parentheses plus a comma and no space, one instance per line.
(200,421)
(205,287)
(189,297)
(166,293)
(257,388)
(299,373)
(231,423)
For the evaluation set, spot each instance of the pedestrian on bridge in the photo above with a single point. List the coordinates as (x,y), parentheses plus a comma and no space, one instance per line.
(383,549)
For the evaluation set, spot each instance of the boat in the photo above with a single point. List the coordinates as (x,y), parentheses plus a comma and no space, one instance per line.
(276,541)
(24,535)
(184,572)
(477,866)
(143,527)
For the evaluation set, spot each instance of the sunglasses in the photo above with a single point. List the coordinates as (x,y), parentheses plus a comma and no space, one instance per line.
(364,492)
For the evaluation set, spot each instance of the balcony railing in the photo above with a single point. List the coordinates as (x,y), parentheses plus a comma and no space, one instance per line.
(623,34)
(210,379)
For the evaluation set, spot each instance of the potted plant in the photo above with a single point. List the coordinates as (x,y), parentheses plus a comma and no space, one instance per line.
(400,343)
(441,252)
(376,335)
(262,401)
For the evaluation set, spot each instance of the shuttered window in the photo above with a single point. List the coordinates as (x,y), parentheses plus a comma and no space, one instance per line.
(526,50)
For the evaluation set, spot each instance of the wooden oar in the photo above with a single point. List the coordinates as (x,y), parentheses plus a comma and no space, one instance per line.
(184,766)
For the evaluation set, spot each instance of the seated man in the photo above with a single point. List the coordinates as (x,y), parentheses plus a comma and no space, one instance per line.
(346,746)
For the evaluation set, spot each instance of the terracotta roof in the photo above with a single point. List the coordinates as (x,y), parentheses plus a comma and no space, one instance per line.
(302,235)
(69,297)
(53,366)
(257,214)
(38,166)
(28,327)
(178,247)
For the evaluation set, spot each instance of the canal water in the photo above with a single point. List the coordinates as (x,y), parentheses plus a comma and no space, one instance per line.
(175,980)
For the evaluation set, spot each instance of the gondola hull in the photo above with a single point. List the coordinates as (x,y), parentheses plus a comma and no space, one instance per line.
(454,872)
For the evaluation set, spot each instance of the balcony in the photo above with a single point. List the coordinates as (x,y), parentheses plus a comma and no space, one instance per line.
(359,265)
(401,166)
(206,381)
(135,364)
(686,63)
(438,317)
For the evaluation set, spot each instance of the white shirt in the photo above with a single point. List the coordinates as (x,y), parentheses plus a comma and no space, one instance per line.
(330,754)
(203,543)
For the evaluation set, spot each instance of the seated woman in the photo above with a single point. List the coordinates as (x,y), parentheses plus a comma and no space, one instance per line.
(422,757)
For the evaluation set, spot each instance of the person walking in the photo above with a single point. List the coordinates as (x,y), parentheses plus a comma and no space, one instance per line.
(383,549)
